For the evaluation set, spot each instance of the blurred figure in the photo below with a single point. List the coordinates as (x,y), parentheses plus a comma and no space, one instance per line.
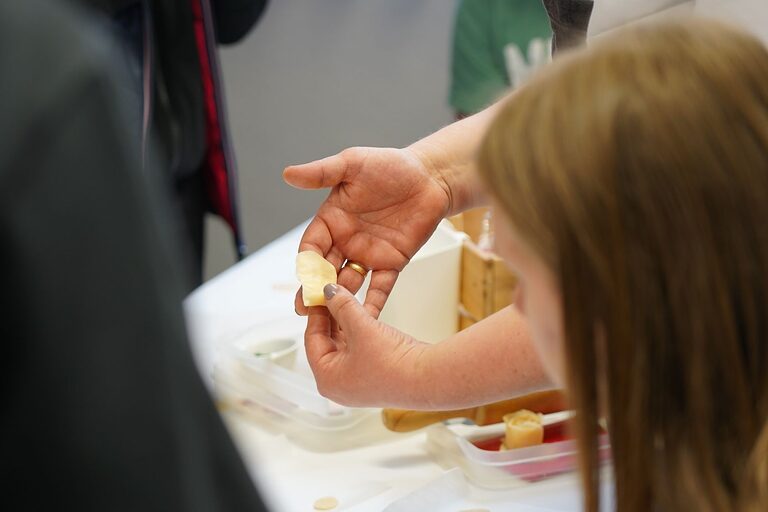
(496,45)
(103,408)
(630,184)
(178,111)
(383,205)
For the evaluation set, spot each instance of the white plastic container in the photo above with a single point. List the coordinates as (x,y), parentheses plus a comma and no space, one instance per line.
(277,390)
(475,451)
(253,346)
(424,301)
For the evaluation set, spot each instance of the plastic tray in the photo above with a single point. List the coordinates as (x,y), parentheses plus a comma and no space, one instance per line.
(280,393)
(476,451)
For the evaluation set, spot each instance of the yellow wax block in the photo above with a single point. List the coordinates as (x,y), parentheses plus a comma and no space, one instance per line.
(326,503)
(314,272)
(522,428)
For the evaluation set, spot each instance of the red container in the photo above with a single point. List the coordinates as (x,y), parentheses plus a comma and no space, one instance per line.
(476,451)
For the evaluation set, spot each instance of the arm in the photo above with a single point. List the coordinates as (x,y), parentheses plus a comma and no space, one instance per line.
(385,203)
(492,360)
(368,363)
(449,156)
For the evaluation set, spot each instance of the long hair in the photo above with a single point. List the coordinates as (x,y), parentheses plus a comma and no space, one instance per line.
(637,169)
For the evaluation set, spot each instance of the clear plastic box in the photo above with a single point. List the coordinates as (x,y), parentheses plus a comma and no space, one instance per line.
(280,393)
(475,451)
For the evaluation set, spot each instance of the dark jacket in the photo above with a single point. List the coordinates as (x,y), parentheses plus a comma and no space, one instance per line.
(185,37)
(569,20)
(103,409)
(184,128)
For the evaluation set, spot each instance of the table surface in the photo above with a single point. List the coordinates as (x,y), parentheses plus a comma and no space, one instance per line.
(398,474)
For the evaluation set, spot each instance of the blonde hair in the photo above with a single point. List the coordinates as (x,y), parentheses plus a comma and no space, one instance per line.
(638,170)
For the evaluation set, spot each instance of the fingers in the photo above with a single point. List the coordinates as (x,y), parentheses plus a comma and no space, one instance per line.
(379,289)
(351,279)
(298,304)
(382,282)
(334,258)
(343,306)
(316,238)
(317,337)
(324,173)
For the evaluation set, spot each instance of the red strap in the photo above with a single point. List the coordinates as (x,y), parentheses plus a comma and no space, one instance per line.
(216,176)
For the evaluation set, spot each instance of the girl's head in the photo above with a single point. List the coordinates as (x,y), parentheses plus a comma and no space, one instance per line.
(631,180)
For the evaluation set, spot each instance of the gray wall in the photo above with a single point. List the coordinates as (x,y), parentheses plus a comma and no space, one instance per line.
(316,76)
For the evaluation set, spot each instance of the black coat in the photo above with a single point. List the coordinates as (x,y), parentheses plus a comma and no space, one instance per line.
(234,18)
(181,123)
(569,20)
(102,407)
(197,175)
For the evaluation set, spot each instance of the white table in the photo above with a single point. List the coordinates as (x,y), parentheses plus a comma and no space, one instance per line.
(261,289)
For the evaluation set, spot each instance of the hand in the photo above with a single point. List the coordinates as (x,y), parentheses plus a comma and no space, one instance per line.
(357,360)
(383,206)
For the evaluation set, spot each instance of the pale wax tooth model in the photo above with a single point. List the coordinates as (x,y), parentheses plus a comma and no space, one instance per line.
(314,272)
(523,428)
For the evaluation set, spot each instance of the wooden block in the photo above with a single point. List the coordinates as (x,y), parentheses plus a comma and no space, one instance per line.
(465,321)
(457,221)
(473,222)
(486,284)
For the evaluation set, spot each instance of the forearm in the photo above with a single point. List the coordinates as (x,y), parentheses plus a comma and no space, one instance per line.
(490,361)
(449,154)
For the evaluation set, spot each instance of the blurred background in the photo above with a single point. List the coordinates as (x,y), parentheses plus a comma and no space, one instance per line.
(316,77)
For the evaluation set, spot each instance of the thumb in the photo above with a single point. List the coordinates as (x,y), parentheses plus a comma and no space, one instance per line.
(345,309)
(324,173)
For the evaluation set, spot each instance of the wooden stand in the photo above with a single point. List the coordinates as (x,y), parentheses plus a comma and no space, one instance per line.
(486,283)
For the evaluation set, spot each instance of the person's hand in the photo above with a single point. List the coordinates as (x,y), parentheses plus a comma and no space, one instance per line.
(358,360)
(383,206)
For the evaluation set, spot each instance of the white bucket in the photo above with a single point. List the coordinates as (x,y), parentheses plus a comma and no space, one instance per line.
(424,302)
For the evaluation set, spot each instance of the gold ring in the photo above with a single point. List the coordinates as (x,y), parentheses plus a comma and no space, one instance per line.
(356,267)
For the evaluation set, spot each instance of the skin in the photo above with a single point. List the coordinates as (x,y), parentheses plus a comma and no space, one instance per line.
(537,297)
(490,361)
(369,363)
(385,203)
(383,206)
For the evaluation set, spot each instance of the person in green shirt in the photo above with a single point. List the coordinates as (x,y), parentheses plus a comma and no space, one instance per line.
(496,44)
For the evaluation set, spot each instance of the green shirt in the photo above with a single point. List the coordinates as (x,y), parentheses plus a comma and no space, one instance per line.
(496,43)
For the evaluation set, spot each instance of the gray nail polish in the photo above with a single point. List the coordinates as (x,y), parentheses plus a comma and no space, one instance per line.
(330,290)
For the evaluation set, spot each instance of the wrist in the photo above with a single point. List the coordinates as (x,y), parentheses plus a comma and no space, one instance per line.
(448,157)
(436,164)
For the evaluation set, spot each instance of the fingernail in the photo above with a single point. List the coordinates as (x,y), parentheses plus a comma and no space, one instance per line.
(330,290)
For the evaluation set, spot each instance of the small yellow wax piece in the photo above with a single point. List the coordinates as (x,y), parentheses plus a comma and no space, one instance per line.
(523,428)
(314,272)
(326,503)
